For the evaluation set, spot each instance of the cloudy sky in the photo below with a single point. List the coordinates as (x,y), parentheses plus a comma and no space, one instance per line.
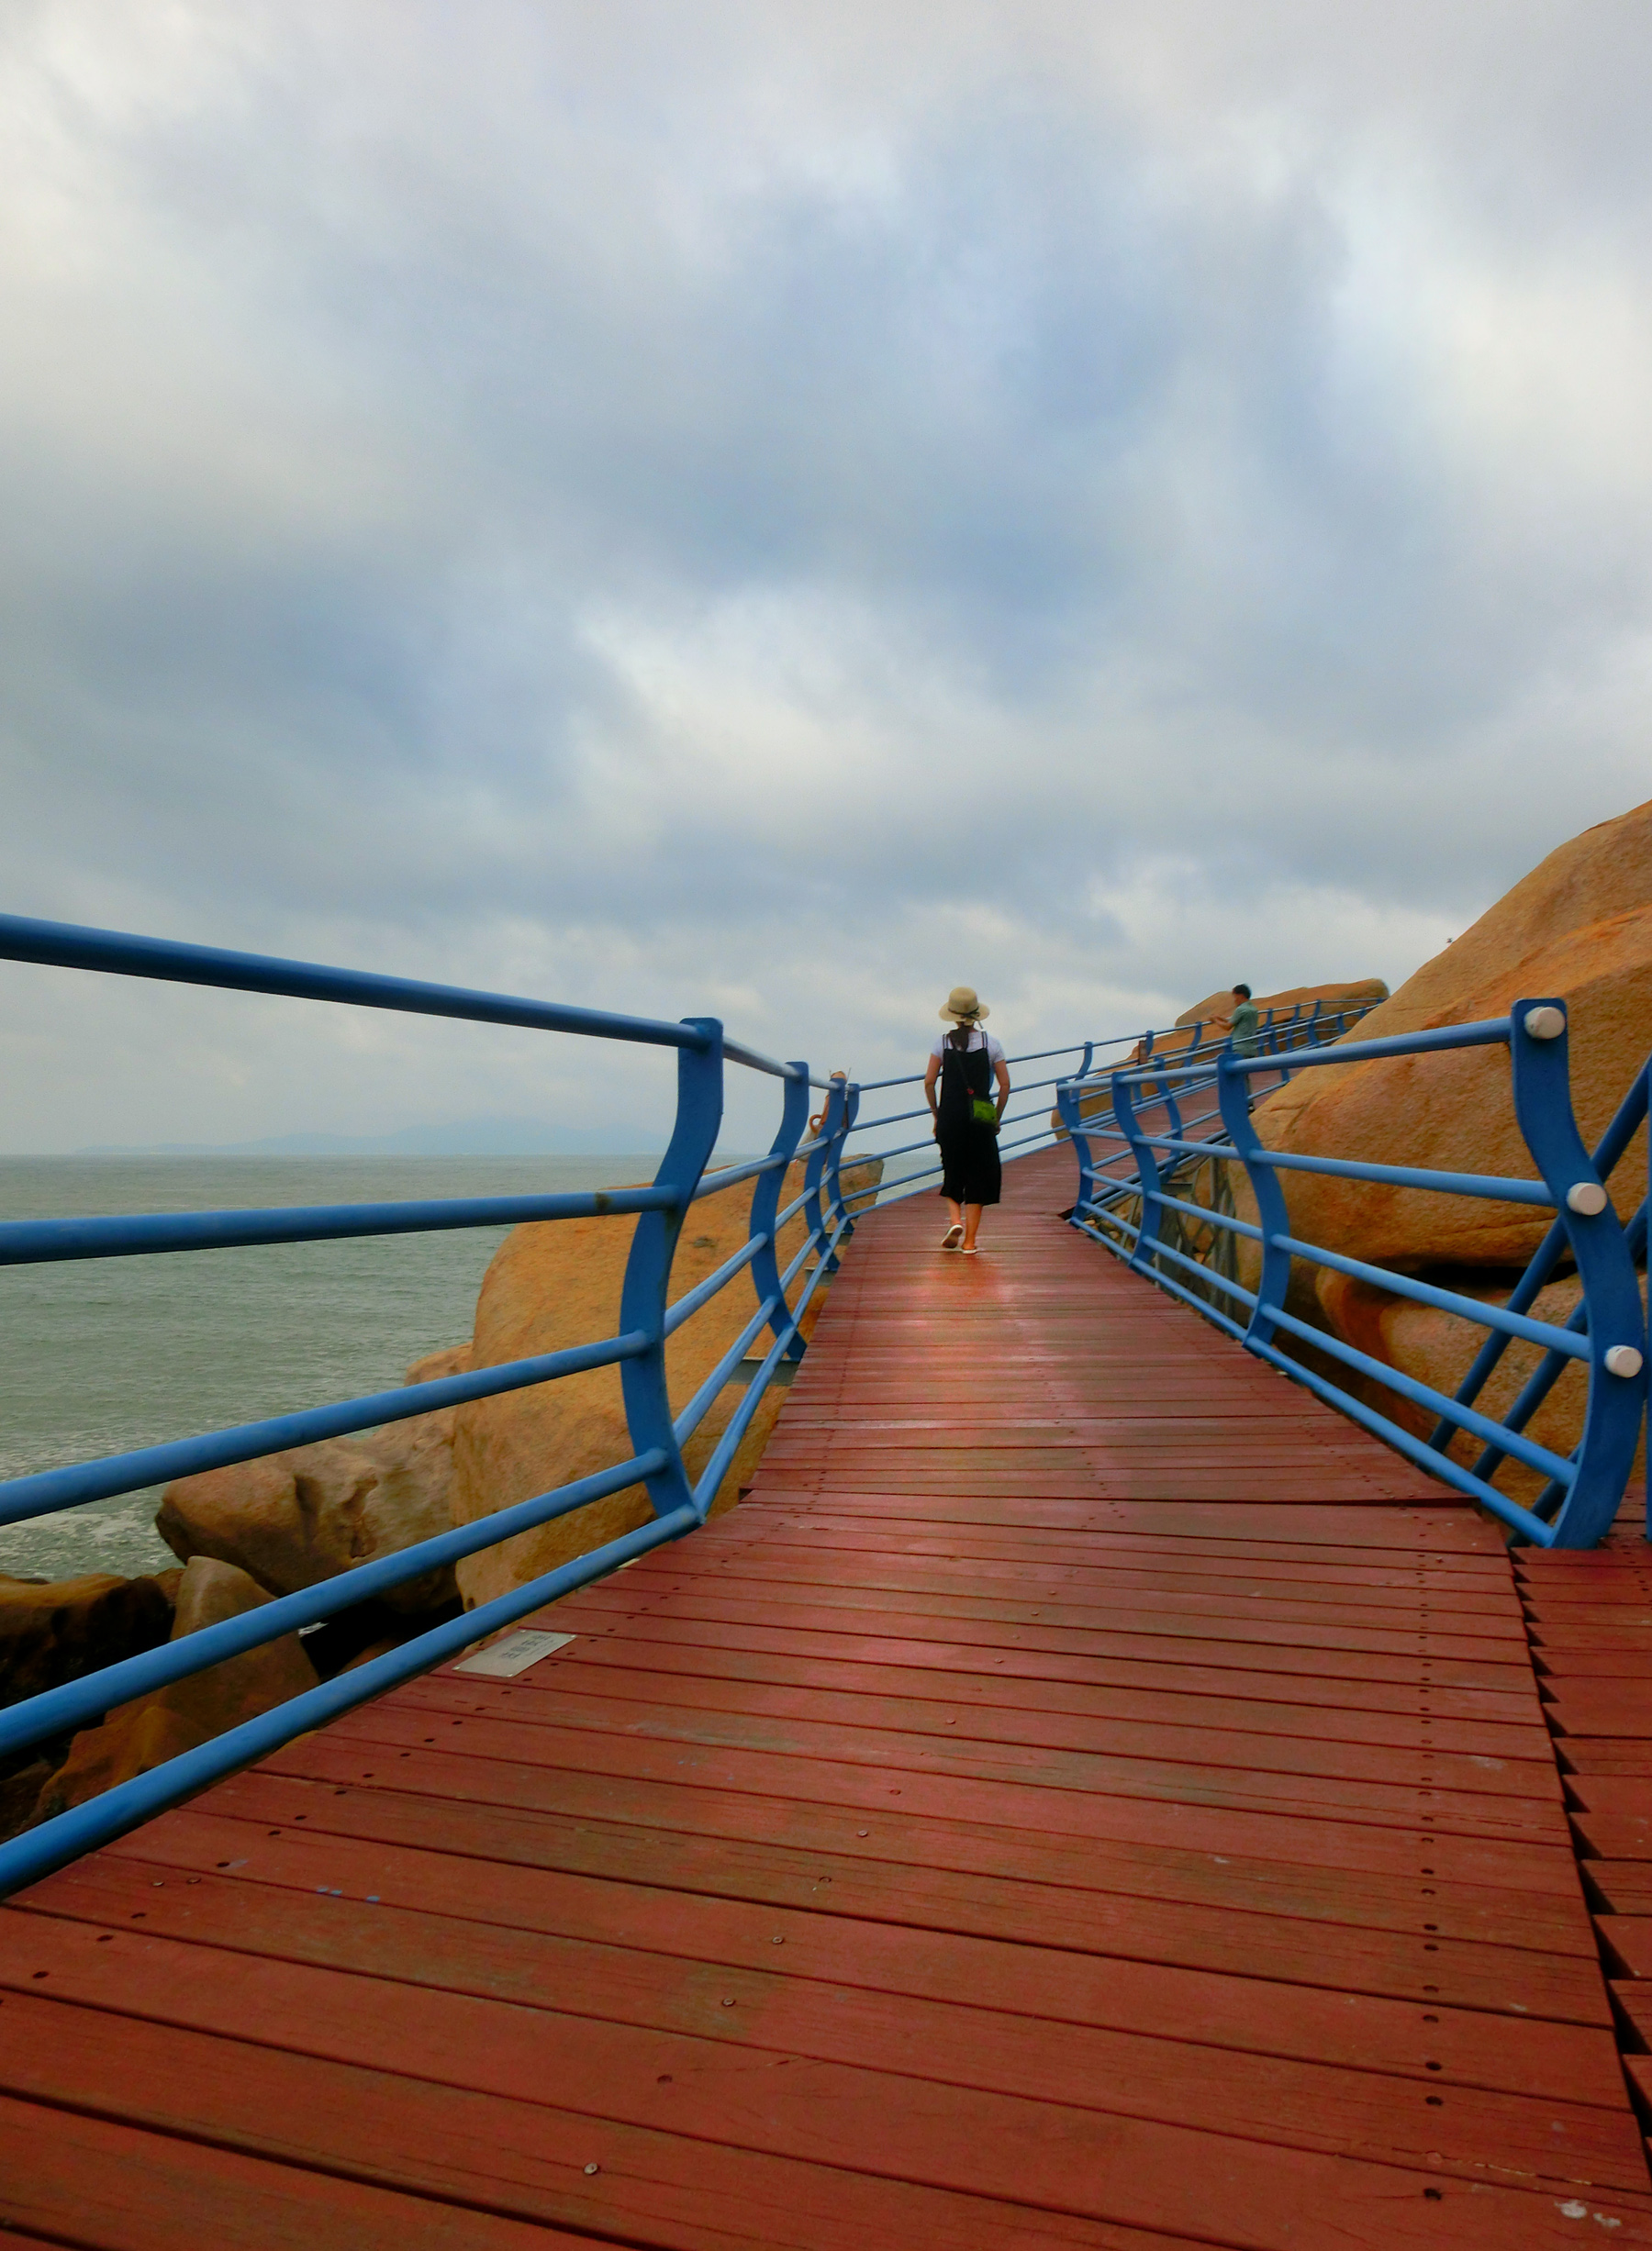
(770,511)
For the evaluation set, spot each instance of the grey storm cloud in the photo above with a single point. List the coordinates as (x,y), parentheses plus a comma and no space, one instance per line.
(722,508)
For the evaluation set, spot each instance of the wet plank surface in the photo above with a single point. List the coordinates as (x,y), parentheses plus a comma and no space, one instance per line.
(1087,1794)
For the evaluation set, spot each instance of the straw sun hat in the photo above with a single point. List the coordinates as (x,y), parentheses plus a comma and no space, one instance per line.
(963,1008)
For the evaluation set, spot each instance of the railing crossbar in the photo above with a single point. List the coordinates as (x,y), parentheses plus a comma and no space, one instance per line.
(1523,1449)
(1415,1449)
(50,1490)
(690,1302)
(36,1242)
(694,1414)
(27,1858)
(1202,1211)
(1477,1310)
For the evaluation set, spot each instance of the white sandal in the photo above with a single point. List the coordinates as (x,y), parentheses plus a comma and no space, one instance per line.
(954,1236)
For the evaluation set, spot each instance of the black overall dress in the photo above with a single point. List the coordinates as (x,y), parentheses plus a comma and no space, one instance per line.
(970,1171)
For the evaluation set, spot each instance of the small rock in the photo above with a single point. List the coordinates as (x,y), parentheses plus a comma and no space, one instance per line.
(19,1793)
(292,1519)
(143,1735)
(57,1630)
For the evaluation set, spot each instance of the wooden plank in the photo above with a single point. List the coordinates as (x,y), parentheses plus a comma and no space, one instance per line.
(1231,1911)
(607,1694)
(1414,1530)
(1627,1940)
(1204,1562)
(967,1683)
(97,2182)
(996,1662)
(1071,1793)
(839,1804)
(1624,1886)
(1337,1654)
(886,1954)
(1440,1619)
(476,1990)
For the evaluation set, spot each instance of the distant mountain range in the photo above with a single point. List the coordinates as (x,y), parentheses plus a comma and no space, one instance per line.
(463,1137)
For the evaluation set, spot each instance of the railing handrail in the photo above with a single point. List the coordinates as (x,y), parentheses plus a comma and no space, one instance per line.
(71,945)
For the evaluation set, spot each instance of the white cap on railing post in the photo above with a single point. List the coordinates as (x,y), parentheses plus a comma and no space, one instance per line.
(1544,1023)
(1623,1360)
(1587,1196)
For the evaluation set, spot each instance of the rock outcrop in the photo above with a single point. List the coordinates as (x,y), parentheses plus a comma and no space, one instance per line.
(1578,929)
(55,1630)
(1353,993)
(1198,1027)
(144,1733)
(291,1519)
(554,1285)
(1438,1348)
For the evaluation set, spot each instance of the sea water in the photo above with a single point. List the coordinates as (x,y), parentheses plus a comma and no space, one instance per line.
(101,1356)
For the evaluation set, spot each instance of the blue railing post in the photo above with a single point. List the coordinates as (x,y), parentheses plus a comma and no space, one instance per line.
(766,1206)
(1172,1109)
(1630,1115)
(1147,1173)
(1289,1043)
(1617,1336)
(832,1131)
(1070,1109)
(648,1269)
(1232,1092)
(836,1215)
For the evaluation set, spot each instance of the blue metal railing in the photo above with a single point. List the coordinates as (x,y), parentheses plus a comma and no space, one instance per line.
(646,1319)
(1580,1494)
(656,1435)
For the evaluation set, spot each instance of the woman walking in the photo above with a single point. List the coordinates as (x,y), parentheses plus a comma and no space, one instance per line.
(963,1066)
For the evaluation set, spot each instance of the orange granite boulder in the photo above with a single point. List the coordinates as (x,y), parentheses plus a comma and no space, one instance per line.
(291,1519)
(1578,929)
(52,1631)
(552,1285)
(1198,1027)
(1352,993)
(144,1733)
(1438,1348)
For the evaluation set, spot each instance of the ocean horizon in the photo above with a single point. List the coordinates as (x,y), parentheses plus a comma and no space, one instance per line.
(106,1354)
(486,1136)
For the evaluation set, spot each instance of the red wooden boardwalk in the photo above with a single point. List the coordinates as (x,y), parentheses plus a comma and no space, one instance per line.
(1089,1795)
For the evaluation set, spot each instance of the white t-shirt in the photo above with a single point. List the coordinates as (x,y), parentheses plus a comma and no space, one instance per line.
(978,1038)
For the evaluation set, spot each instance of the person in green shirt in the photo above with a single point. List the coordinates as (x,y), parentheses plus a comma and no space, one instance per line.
(1243,1021)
